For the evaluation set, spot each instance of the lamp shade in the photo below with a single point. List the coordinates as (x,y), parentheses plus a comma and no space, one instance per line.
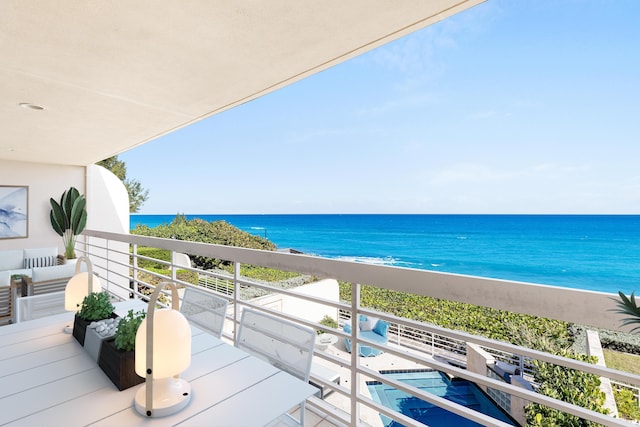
(171,344)
(77,288)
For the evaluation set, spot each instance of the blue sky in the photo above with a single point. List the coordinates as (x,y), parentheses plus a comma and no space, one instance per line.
(510,107)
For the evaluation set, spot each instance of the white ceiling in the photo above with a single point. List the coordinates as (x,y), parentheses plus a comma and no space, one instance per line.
(115,74)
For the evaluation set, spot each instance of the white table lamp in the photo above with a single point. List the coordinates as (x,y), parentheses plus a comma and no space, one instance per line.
(79,286)
(163,351)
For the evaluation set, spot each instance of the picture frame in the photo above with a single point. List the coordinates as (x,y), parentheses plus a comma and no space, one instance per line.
(14,211)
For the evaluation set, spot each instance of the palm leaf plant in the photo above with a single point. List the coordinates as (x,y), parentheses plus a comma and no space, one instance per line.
(68,218)
(628,306)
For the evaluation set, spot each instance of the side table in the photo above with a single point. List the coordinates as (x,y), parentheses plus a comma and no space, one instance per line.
(18,285)
(323,341)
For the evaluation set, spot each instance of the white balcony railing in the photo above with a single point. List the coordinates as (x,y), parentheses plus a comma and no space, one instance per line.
(116,260)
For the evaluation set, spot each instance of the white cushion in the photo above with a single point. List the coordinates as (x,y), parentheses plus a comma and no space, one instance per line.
(5,278)
(42,274)
(368,324)
(11,260)
(40,252)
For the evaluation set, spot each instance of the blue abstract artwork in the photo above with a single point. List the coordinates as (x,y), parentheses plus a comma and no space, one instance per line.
(14,204)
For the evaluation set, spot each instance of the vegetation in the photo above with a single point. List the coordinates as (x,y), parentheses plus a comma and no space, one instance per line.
(198,230)
(568,385)
(68,218)
(137,194)
(96,306)
(125,337)
(622,361)
(627,404)
(488,322)
(329,322)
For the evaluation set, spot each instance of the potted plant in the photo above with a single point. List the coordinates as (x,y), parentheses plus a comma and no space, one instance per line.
(68,218)
(629,307)
(95,306)
(117,356)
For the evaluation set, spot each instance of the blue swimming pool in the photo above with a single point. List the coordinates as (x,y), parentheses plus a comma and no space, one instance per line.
(460,391)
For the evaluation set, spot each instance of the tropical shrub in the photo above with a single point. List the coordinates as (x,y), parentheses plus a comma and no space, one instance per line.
(568,385)
(198,230)
(488,322)
(327,321)
(68,218)
(627,404)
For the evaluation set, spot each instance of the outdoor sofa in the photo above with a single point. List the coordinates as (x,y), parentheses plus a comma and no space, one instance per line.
(369,328)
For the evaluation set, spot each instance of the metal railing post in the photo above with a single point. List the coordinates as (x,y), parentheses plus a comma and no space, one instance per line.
(355,360)
(135,269)
(236,298)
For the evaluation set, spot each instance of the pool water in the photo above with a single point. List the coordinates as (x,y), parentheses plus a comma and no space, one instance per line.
(459,391)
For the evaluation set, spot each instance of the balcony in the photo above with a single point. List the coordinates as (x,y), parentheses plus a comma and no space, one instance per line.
(412,345)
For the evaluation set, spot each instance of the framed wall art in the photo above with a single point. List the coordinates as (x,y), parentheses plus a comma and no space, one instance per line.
(14,212)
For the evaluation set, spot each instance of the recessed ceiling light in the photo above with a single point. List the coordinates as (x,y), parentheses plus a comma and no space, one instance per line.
(30,106)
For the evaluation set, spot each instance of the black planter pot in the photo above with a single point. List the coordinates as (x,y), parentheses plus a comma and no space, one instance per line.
(118,365)
(80,327)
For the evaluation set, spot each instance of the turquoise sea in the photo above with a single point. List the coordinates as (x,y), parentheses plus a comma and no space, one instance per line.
(594,252)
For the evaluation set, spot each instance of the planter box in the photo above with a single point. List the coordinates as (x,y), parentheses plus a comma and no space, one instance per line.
(118,365)
(80,327)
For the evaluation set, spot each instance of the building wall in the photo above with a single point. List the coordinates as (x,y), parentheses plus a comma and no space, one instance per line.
(44,182)
(108,210)
(308,310)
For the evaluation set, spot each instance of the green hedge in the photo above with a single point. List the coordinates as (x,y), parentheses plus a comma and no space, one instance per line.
(198,230)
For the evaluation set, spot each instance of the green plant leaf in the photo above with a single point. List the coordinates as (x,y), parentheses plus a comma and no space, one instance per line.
(628,306)
(78,217)
(57,217)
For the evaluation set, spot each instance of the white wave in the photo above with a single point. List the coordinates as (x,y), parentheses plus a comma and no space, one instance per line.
(461,237)
(436,265)
(256,228)
(370,260)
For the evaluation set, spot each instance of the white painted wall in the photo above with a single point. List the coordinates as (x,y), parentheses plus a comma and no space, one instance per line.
(308,310)
(108,210)
(44,182)
(107,201)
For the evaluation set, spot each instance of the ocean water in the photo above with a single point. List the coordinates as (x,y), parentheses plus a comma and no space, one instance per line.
(593,252)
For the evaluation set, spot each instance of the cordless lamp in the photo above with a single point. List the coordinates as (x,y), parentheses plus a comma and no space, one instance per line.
(163,351)
(79,286)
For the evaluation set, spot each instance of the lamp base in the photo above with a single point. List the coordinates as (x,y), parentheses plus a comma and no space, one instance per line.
(170,395)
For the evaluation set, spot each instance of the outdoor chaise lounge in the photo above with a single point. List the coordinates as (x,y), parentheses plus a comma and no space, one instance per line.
(372,329)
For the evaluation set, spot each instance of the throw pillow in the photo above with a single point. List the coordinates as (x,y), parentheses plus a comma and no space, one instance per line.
(43,261)
(381,328)
(368,324)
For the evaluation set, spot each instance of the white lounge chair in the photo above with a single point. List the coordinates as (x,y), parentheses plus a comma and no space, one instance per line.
(205,310)
(284,344)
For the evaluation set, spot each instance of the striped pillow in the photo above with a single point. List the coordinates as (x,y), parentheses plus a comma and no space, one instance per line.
(43,261)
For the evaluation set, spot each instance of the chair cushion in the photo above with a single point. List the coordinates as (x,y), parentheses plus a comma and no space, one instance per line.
(5,278)
(381,328)
(11,260)
(40,252)
(370,335)
(41,274)
(368,323)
